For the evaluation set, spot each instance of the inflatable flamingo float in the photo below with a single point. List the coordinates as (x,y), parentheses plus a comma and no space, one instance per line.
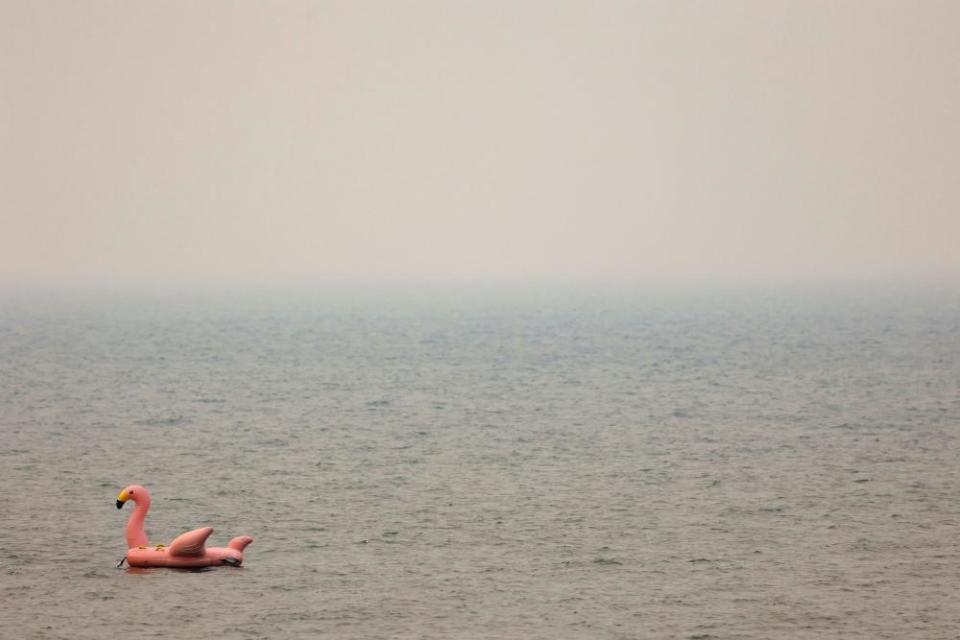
(186,551)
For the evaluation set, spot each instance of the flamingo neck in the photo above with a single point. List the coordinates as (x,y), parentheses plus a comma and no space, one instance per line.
(136,536)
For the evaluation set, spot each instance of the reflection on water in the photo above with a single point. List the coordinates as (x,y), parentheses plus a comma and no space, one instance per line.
(559,464)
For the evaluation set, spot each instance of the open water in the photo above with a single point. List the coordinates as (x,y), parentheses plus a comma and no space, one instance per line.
(479,463)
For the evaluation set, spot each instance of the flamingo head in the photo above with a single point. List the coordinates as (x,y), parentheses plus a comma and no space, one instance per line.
(134,492)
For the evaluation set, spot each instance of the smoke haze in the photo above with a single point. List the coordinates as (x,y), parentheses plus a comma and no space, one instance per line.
(233,142)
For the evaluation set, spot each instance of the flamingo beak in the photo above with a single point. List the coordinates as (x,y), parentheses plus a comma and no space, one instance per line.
(119,504)
(121,499)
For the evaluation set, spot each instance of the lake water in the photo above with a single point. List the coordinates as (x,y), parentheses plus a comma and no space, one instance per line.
(482,463)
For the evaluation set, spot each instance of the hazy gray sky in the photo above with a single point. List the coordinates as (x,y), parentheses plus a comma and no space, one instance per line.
(241,141)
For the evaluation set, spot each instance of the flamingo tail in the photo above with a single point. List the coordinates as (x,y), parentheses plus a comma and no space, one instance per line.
(240,543)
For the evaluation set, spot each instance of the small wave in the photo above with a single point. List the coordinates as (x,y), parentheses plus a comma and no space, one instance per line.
(162,422)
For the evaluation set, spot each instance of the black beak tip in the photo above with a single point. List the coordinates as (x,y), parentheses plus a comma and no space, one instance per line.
(119,505)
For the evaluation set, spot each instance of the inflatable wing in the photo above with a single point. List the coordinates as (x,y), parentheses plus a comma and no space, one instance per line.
(191,543)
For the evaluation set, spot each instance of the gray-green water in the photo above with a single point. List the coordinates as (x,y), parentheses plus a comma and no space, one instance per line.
(622,463)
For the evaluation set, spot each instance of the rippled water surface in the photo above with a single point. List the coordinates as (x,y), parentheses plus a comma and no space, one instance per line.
(486,464)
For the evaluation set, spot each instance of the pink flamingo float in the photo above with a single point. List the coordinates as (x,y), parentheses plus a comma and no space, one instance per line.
(188,550)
